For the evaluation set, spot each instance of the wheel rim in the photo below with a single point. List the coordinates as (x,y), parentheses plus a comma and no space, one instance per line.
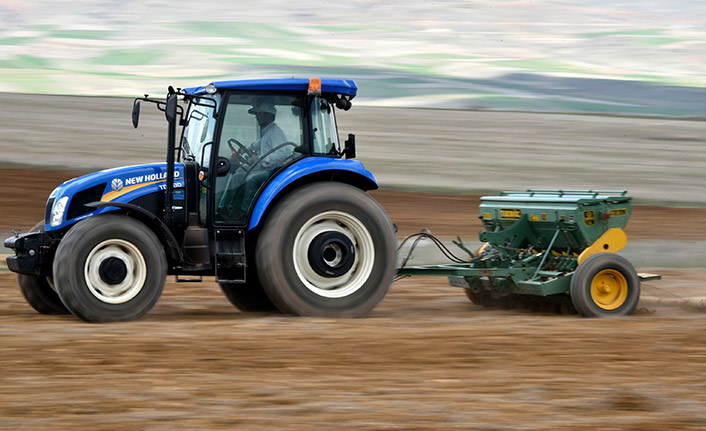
(115,271)
(348,249)
(609,289)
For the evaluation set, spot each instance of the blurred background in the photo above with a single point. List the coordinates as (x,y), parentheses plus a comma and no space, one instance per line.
(455,96)
(631,56)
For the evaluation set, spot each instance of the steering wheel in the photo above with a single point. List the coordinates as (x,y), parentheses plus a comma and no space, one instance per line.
(238,155)
(230,189)
(272,151)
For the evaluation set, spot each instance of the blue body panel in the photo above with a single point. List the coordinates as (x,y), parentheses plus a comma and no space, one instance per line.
(123,184)
(298,170)
(337,86)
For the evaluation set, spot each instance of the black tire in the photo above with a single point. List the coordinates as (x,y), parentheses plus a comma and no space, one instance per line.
(109,268)
(38,292)
(605,284)
(327,249)
(250,296)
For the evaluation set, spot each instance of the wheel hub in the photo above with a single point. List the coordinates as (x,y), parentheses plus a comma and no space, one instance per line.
(609,289)
(331,254)
(603,288)
(112,270)
(115,271)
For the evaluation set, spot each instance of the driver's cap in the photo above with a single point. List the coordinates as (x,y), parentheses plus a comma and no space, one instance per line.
(265,106)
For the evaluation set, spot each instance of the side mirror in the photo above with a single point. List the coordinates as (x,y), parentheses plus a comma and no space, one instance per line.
(203,160)
(171,108)
(203,163)
(344,104)
(222,166)
(349,149)
(135,113)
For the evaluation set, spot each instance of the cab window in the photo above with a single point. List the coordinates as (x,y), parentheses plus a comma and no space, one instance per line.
(259,135)
(323,125)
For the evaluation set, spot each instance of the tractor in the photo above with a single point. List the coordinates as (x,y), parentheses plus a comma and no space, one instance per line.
(258,192)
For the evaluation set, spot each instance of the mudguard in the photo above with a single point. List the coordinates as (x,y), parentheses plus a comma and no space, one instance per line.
(311,166)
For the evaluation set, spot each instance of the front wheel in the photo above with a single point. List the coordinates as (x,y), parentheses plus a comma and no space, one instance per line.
(109,268)
(605,284)
(327,249)
(39,291)
(39,294)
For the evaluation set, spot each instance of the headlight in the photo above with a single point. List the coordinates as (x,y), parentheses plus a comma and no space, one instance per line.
(57,214)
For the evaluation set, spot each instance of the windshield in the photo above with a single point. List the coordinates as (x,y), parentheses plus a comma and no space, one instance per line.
(198,131)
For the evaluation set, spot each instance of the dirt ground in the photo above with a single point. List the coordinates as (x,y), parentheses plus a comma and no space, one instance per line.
(425,359)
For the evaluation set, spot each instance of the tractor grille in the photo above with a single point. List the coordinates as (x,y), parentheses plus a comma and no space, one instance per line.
(47,213)
(77,208)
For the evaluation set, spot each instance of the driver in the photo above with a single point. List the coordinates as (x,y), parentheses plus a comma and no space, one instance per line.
(246,180)
(271,135)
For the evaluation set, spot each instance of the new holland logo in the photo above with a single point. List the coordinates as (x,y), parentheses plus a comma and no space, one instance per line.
(117,184)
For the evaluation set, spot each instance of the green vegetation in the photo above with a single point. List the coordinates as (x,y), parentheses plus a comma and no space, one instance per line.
(129,57)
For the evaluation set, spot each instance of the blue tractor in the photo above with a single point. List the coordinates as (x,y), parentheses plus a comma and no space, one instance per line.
(258,192)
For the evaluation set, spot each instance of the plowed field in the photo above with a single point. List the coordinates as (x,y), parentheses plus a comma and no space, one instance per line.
(425,359)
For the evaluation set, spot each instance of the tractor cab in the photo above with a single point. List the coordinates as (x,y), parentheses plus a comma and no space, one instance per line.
(241,138)
(240,134)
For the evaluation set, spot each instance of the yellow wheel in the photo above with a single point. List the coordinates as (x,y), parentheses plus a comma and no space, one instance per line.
(605,284)
(609,289)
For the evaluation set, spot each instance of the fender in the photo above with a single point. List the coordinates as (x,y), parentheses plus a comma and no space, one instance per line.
(362,178)
(172,243)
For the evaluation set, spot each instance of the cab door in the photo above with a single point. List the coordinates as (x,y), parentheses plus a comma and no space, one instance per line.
(260,134)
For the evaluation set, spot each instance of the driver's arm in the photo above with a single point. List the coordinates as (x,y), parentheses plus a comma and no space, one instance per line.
(273,139)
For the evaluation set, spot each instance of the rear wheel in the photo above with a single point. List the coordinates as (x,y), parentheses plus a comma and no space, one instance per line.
(605,284)
(327,249)
(38,291)
(250,296)
(247,297)
(109,268)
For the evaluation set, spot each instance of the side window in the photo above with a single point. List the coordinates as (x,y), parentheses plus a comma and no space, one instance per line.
(198,131)
(323,123)
(259,135)
(197,141)
(238,125)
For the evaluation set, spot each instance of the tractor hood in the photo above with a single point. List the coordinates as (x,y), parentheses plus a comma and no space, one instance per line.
(66,204)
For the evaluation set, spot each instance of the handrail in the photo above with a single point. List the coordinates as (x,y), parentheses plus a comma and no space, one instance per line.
(562,192)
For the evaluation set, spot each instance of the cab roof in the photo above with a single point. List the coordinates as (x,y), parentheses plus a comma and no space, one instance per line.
(336,86)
